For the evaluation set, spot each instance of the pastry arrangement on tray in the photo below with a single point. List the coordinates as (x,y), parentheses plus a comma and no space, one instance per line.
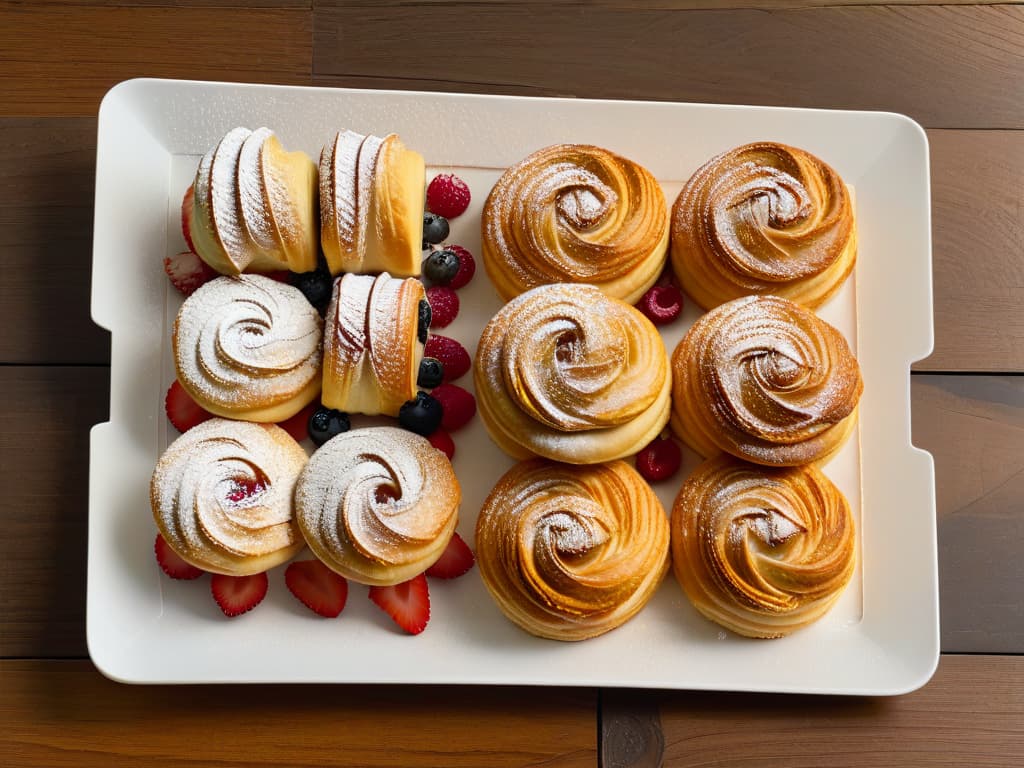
(314,292)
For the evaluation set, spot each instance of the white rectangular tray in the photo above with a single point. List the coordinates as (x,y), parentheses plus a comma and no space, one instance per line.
(882,636)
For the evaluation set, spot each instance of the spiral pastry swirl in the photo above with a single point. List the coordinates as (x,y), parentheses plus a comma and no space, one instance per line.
(766,380)
(221,496)
(378,505)
(762,551)
(574,213)
(570,552)
(248,348)
(763,218)
(565,372)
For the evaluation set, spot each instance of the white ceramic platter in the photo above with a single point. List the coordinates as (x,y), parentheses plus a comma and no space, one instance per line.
(882,636)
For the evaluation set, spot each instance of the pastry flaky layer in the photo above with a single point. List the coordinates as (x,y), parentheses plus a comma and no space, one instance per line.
(565,372)
(254,207)
(221,496)
(574,213)
(248,347)
(764,218)
(571,552)
(371,205)
(378,505)
(766,380)
(763,551)
(372,350)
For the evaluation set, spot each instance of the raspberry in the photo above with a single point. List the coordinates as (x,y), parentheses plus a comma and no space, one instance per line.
(443,442)
(659,460)
(453,356)
(661,304)
(448,196)
(444,305)
(458,405)
(467,267)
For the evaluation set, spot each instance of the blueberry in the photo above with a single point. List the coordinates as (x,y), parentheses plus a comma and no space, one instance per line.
(424,321)
(435,228)
(440,267)
(422,415)
(316,286)
(325,423)
(431,373)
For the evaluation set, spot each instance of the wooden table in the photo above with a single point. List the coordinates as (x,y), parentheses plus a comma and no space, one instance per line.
(957,68)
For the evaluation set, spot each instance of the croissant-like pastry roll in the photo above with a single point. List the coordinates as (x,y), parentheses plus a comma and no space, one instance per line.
(574,213)
(371,205)
(378,505)
(766,380)
(763,218)
(222,496)
(763,551)
(571,552)
(565,372)
(248,347)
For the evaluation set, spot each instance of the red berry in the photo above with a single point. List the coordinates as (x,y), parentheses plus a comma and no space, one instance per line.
(186,218)
(171,563)
(187,271)
(298,425)
(458,405)
(453,356)
(281,276)
(237,594)
(447,195)
(659,460)
(456,560)
(317,587)
(443,442)
(467,266)
(444,305)
(661,304)
(407,603)
(182,410)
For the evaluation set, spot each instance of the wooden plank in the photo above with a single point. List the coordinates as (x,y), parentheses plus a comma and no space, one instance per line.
(680,5)
(60,60)
(971,713)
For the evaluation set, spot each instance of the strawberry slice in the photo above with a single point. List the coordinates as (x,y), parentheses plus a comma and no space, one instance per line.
(171,563)
(187,272)
(186,217)
(407,603)
(317,587)
(237,594)
(298,425)
(456,560)
(182,410)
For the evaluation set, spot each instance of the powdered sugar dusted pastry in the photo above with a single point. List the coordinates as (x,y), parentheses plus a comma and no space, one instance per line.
(575,213)
(571,552)
(378,505)
(222,496)
(567,373)
(248,348)
(371,205)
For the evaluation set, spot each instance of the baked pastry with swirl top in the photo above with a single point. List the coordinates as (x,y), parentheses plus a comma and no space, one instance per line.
(575,213)
(763,551)
(764,218)
(571,552)
(766,380)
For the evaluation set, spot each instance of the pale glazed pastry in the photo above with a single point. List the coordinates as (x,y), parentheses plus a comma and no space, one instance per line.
(571,552)
(378,505)
(371,205)
(574,213)
(763,551)
(254,207)
(249,348)
(372,350)
(766,380)
(221,496)
(567,373)
(763,218)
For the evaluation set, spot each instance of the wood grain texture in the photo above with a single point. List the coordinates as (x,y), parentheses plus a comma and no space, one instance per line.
(680,5)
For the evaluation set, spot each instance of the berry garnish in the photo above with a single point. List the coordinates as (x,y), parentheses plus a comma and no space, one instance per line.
(467,266)
(440,267)
(316,286)
(435,229)
(426,317)
(456,560)
(186,217)
(661,304)
(443,442)
(421,415)
(237,594)
(659,460)
(325,423)
(182,410)
(459,406)
(187,271)
(407,603)
(244,488)
(317,587)
(170,562)
(444,305)
(448,195)
(453,356)
(298,425)
(431,373)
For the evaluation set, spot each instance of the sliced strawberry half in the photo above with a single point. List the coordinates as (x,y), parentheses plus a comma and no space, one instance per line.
(182,410)
(407,603)
(298,425)
(317,587)
(187,272)
(186,217)
(170,562)
(238,594)
(456,560)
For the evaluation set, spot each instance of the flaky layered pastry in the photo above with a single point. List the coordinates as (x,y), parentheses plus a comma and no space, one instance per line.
(248,347)
(565,372)
(372,350)
(571,552)
(763,551)
(221,496)
(766,380)
(574,213)
(378,505)
(763,218)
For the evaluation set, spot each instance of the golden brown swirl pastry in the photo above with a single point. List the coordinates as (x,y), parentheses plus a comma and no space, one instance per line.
(378,505)
(571,552)
(248,347)
(567,373)
(222,496)
(763,218)
(763,551)
(764,379)
(574,213)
